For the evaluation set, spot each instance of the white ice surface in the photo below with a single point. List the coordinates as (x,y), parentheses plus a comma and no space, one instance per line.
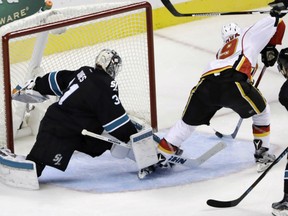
(181,53)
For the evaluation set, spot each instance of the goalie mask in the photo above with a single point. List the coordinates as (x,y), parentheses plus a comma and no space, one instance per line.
(229,30)
(283,62)
(109,61)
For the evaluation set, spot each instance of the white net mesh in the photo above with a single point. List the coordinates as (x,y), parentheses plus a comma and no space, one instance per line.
(77,45)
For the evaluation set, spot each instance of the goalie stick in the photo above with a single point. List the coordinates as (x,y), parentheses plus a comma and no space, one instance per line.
(175,159)
(234,133)
(174,12)
(232,203)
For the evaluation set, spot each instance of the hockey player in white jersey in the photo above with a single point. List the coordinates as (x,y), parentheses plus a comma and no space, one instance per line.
(227,82)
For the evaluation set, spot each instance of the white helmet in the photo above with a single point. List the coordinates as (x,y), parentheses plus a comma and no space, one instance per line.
(109,61)
(229,30)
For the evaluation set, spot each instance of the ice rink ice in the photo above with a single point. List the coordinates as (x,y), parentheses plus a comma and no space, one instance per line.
(181,53)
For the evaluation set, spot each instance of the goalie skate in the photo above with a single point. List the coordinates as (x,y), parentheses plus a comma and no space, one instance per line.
(143,173)
(15,171)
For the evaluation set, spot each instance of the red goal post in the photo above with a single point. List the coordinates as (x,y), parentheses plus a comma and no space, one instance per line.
(69,38)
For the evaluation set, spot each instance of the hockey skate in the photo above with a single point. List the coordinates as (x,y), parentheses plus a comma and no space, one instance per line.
(165,151)
(262,158)
(170,165)
(281,208)
(146,171)
(162,157)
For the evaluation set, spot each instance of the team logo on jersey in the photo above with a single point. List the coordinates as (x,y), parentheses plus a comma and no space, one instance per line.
(11,10)
(114,85)
(81,76)
(57,159)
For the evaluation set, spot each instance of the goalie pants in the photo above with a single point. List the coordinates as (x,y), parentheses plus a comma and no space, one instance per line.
(55,145)
(230,89)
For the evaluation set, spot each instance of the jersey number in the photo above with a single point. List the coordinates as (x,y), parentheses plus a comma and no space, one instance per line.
(81,77)
(228,49)
(72,89)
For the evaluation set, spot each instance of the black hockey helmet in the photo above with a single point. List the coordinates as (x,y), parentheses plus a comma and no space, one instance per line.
(283,62)
(109,61)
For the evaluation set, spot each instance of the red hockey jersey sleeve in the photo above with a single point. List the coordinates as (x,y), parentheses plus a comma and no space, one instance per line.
(278,36)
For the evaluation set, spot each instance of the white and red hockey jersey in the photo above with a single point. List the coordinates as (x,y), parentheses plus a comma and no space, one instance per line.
(241,51)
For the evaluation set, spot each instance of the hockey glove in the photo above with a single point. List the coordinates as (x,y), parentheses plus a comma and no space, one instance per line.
(30,84)
(269,55)
(277,7)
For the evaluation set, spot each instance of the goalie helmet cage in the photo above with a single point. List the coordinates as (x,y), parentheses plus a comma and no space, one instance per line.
(76,35)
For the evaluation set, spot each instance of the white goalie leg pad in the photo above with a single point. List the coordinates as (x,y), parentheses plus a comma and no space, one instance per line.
(17,172)
(144,148)
(119,151)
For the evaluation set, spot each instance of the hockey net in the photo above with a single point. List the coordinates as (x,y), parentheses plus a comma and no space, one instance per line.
(69,38)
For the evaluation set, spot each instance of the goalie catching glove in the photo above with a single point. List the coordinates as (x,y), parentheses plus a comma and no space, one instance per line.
(26,94)
(30,83)
(269,55)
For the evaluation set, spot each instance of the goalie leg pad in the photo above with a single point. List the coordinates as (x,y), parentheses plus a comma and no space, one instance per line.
(119,151)
(144,148)
(16,172)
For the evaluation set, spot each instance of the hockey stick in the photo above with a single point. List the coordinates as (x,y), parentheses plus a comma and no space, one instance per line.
(234,133)
(192,163)
(232,203)
(175,159)
(140,149)
(104,138)
(176,13)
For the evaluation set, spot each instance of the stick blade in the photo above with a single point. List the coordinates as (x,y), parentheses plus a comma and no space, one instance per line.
(218,134)
(222,204)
